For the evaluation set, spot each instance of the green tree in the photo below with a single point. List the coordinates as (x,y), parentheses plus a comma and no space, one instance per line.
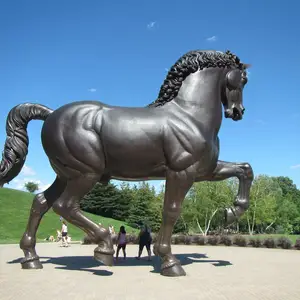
(144,208)
(124,201)
(264,195)
(204,201)
(289,208)
(156,216)
(101,200)
(31,186)
(287,215)
(288,188)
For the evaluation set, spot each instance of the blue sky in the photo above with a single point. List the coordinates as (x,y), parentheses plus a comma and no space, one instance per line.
(118,52)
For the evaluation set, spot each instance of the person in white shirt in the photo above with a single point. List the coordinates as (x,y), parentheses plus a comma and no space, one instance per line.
(64,234)
(121,242)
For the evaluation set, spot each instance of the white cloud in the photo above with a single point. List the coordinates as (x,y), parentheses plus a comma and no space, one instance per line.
(152,25)
(212,38)
(18,184)
(43,186)
(92,90)
(295,166)
(27,171)
(27,174)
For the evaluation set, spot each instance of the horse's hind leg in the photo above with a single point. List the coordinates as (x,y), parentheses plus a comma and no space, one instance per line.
(42,202)
(67,206)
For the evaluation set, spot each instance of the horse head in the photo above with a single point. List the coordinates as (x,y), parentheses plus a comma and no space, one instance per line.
(234,82)
(233,79)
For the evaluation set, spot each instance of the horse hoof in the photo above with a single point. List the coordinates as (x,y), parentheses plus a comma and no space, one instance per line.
(230,216)
(106,259)
(155,252)
(174,271)
(31,264)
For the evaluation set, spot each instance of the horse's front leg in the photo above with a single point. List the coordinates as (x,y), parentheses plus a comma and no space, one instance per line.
(177,186)
(244,173)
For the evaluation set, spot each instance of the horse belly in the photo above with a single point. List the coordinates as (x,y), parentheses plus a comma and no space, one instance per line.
(133,152)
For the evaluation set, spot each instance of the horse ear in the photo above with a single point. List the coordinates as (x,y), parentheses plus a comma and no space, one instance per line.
(233,79)
(247,66)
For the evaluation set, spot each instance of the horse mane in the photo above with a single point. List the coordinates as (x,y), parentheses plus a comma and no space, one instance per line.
(190,63)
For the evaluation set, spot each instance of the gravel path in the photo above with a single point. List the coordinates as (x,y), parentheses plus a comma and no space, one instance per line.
(214,273)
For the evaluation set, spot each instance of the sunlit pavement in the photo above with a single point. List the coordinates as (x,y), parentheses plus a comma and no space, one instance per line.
(213,272)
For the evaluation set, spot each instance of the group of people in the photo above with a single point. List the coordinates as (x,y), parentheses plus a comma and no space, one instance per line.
(144,240)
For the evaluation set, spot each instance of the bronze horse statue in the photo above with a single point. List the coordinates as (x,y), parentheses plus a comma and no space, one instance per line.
(174,138)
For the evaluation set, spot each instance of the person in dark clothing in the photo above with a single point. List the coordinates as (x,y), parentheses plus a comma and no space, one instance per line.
(145,239)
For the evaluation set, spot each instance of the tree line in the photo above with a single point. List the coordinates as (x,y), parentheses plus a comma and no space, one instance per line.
(274,206)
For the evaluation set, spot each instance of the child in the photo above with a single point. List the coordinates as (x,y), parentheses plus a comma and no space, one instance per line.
(58,233)
(121,242)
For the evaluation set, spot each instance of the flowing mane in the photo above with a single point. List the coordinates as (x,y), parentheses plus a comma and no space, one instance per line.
(190,63)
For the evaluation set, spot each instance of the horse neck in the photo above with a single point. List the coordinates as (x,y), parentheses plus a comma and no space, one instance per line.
(200,97)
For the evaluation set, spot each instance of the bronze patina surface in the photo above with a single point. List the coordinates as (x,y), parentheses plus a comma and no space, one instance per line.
(174,138)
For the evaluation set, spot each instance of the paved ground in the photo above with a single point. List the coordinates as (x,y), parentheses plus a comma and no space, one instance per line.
(213,273)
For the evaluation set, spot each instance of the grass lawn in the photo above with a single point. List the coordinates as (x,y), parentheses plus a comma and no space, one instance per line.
(14,212)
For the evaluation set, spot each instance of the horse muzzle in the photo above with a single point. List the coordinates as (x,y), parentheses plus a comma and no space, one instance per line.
(235,113)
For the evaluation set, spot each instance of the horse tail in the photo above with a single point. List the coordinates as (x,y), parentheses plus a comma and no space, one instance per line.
(16,144)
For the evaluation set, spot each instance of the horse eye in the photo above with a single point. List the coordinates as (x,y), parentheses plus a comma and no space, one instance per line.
(244,80)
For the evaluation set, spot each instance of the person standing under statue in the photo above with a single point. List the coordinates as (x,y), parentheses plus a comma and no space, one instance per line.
(121,242)
(64,234)
(145,239)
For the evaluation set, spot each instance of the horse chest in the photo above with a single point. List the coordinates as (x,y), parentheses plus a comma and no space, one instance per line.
(206,161)
(182,153)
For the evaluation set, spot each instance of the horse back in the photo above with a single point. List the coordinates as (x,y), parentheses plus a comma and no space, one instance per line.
(132,139)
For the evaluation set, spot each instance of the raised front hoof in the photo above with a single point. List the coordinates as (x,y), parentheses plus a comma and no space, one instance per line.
(174,271)
(230,216)
(31,264)
(106,259)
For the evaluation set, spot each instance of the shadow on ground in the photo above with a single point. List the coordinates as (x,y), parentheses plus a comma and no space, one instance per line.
(85,263)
